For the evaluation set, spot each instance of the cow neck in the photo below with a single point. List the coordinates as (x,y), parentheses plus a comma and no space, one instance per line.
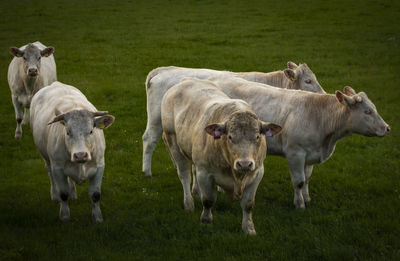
(334,119)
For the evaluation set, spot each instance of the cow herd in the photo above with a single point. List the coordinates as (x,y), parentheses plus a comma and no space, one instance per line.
(218,127)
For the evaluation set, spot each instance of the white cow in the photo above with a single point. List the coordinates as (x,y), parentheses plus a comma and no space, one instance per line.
(161,79)
(312,123)
(223,139)
(67,130)
(32,68)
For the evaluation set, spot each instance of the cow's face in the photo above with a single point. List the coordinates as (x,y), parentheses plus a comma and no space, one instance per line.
(31,56)
(303,78)
(80,125)
(244,145)
(364,118)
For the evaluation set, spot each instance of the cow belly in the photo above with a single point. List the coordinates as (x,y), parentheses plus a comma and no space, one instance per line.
(80,172)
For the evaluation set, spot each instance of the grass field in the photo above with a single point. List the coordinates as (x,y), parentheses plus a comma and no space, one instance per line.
(106,48)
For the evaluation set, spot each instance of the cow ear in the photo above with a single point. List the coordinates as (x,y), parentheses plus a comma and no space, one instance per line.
(291,65)
(290,74)
(104,122)
(344,99)
(16,52)
(216,130)
(269,129)
(349,91)
(47,51)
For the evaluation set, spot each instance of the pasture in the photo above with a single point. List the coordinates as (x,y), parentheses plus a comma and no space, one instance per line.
(106,48)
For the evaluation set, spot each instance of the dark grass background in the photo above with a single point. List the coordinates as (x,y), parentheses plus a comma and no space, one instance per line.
(106,49)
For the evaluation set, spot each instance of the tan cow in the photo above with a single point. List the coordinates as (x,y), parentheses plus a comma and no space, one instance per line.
(222,138)
(312,123)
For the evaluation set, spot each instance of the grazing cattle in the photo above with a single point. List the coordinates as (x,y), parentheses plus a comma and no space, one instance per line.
(32,68)
(161,79)
(222,137)
(312,123)
(67,130)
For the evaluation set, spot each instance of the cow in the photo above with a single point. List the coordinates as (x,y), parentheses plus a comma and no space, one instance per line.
(68,132)
(222,137)
(312,123)
(32,68)
(161,79)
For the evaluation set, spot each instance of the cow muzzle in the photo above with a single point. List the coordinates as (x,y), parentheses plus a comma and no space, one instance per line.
(244,166)
(383,131)
(80,157)
(33,72)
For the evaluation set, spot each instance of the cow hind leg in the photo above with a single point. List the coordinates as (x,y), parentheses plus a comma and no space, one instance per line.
(195,185)
(25,119)
(307,171)
(18,116)
(150,138)
(183,169)
(72,189)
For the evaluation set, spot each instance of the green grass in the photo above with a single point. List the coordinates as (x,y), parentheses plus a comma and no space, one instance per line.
(106,49)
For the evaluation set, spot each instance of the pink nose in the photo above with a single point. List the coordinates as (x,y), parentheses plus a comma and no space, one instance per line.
(32,71)
(81,157)
(244,165)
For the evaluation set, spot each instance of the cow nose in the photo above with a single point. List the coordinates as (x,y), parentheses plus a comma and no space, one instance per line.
(245,165)
(32,71)
(388,129)
(80,157)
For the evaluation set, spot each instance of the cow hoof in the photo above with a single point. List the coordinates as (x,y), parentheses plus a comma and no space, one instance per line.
(206,219)
(189,205)
(97,219)
(18,135)
(64,216)
(251,232)
(307,199)
(147,174)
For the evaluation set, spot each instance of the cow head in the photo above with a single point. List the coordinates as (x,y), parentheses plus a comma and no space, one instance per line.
(31,56)
(244,146)
(364,118)
(302,78)
(80,125)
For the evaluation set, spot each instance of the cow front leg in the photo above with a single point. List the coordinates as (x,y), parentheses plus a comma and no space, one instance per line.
(247,204)
(296,166)
(18,116)
(95,193)
(208,195)
(183,168)
(307,171)
(54,194)
(62,183)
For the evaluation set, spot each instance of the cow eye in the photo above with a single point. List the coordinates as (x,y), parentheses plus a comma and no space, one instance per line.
(91,132)
(368,112)
(40,58)
(230,137)
(257,137)
(68,133)
(308,81)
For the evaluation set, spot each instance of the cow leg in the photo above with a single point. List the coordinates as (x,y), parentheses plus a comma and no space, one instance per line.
(208,195)
(296,166)
(94,194)
(247,204)
(307,171)
(183,168)
(54,195)
(18,116)
(63,187)
(151,136)
(195,185)
(72,189)
(25,119)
